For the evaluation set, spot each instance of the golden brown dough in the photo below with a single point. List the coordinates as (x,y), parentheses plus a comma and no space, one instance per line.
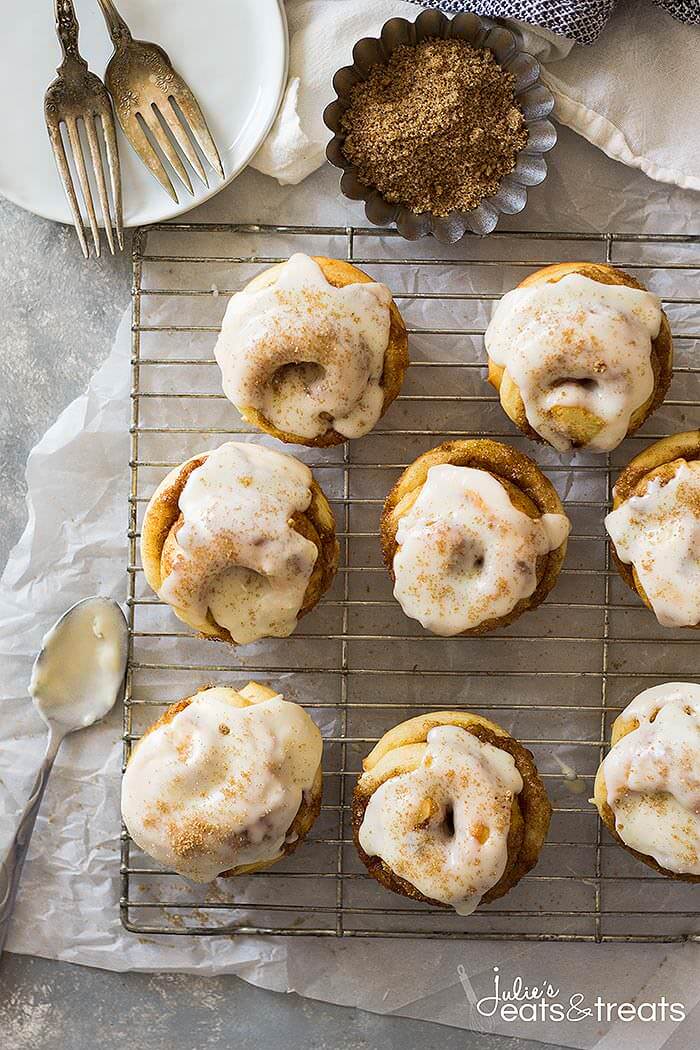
(401,750)
(659,460)
(163,519)
(579,424)
(340,273)
(529,491)
(255,693)
(621,727)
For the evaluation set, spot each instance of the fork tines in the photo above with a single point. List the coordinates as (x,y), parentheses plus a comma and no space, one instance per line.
(70,102)
(169,126)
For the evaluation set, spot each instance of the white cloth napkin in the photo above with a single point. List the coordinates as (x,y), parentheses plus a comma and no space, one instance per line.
(636,93)
(633,93)
(582,20)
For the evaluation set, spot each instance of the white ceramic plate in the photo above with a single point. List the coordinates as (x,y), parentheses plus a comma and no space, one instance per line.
(232,53)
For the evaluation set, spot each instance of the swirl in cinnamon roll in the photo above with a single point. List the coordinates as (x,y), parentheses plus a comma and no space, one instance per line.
(312,351)
(449,810)
(226,782)
(473,534)
(580,354)
(647,789)
(240,541)
(655,528)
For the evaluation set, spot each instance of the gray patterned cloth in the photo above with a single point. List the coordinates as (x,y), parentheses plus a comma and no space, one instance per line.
(582,20)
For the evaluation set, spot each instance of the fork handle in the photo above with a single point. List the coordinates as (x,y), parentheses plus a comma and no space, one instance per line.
(118,29)
(11,866)
(67,30)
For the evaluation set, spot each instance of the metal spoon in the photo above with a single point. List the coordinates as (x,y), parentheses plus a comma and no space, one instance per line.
(75,681)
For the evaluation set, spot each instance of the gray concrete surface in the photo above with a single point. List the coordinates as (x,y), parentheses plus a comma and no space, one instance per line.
(58,322)
(59,318)
(56,1006)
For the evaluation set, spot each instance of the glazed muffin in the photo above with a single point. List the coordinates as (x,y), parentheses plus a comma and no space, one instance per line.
(581,354)
(449,810)
(647,789)
(226,782)
(240,542)
(655,528)
(312,351)
(473,534)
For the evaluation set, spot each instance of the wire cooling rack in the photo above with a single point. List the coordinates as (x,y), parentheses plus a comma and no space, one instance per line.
(555,679)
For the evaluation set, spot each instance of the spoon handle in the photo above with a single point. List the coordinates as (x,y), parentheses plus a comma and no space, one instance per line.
(11,866)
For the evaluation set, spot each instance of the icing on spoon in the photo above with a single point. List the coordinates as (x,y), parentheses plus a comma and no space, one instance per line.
(75,681)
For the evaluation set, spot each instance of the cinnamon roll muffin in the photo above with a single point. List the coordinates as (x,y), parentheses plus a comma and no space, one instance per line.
(312,351)
(647,789)
(655,528)
(240,542)
(449,810)
(473,534)
(580,354)
(226,782)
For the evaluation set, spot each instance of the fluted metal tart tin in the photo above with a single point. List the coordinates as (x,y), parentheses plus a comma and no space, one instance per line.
(532,96)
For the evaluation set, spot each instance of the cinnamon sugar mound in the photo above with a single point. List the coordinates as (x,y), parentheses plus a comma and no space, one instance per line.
(437,128)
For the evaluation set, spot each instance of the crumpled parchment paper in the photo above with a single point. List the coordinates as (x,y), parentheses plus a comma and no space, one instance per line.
(75,544)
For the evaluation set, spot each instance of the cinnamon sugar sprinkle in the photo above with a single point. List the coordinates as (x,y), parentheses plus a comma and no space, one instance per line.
(192,837)
(437,128)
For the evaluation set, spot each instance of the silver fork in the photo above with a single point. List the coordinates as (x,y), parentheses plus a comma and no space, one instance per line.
(78,95)
(149,96)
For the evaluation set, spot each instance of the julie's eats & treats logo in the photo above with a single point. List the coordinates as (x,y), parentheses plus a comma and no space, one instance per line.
(511,1001)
